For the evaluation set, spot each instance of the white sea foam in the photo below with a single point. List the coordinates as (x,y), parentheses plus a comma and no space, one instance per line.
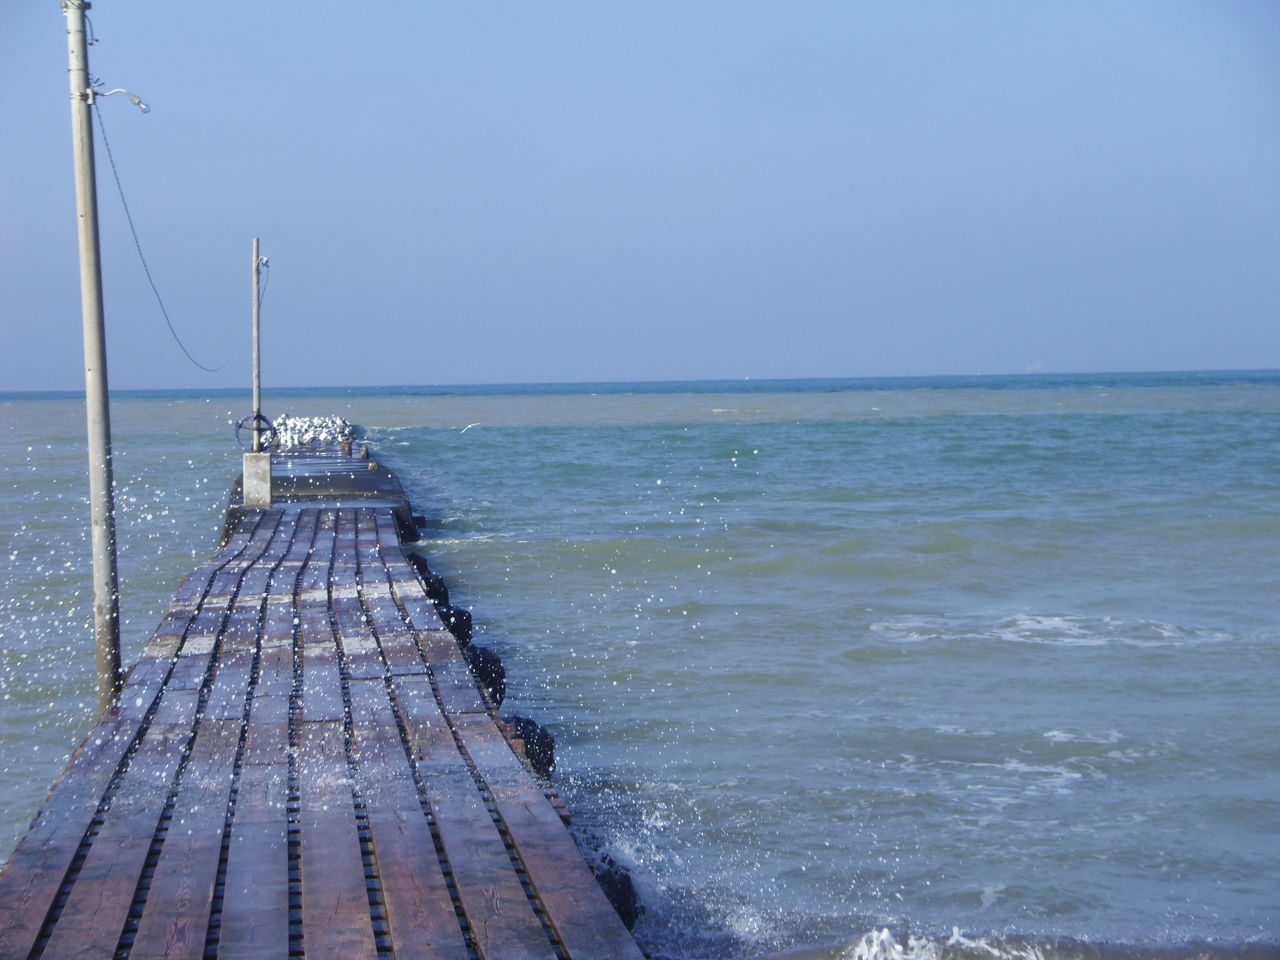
(1062,630)
(883,945)
(1068,736)
(1066,630)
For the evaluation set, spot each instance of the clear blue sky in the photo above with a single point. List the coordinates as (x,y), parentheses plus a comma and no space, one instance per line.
(505,192)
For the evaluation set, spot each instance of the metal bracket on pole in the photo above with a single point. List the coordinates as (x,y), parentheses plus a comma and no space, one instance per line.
(91,95)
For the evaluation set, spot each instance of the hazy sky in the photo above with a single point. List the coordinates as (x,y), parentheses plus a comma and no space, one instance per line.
(497,192)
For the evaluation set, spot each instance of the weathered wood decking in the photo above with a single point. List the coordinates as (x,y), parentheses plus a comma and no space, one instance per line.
(302,765)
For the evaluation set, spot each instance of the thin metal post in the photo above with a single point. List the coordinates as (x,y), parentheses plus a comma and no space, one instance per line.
(106,603)
(257,362)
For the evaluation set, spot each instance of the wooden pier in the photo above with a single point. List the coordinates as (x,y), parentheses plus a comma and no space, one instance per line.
(302,764)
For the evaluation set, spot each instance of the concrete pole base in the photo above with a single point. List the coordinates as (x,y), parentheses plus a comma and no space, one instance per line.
(257,480)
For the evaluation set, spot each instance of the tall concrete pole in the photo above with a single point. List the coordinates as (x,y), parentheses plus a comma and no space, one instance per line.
(106,603)
(257,363)
(256,476)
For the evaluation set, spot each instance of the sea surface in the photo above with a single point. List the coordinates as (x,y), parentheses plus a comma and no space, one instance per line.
(944,667)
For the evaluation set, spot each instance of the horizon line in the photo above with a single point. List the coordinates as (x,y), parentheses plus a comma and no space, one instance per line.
(1028,374)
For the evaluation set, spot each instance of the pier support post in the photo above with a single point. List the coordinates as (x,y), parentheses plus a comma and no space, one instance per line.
(256,480)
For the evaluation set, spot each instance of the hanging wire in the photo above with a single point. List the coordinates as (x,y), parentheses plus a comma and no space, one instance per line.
(137,244)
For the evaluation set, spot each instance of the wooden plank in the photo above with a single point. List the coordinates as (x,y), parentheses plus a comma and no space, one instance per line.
(267,736)
(254,924)
(224,582)
(321,687)
(255,906)
(402,654)
(388,535)
(240,628)
(420,611)
(231,686)
(206,627)
(175,920)
(397,641)
(263,532)
(245,626)
(189,671)
(280,608)
(361,654)
(408,589)
(321,679)
(141,688)
(93,917)
(502,919)
(420,913)
(256,578)
(365,665)
(275,671)
(312,613)
(262,795)
(315,576)
(388,532)
(336,921)
(576,906)
(206,622)
(457,685)
(304,535)
(374,583)
(345,604)
(376,745)
(458,688)
(35,870)
(342,574)
(168,636)
(430,738)
(345,531)
(278,613)
(367,526)
(395,637)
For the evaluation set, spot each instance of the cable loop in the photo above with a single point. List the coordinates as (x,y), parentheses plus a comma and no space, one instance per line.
(268,432)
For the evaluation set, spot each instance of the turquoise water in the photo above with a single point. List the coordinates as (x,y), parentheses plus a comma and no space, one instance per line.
(986,663)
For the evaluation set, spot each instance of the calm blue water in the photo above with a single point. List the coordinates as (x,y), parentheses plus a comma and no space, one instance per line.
(903,667)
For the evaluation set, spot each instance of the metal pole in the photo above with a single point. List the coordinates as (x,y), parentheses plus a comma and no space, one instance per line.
(257,363)
(106,604)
